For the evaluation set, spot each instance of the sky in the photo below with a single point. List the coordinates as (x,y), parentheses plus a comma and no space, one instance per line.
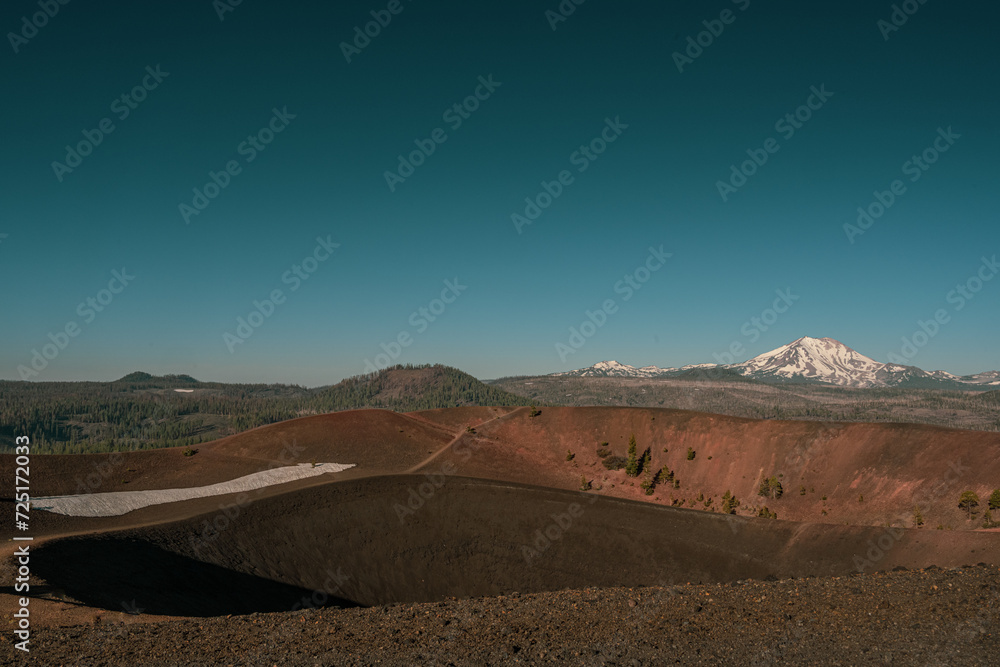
(265,192)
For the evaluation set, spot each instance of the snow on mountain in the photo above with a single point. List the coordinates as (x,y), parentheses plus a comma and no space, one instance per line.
(807,359)
(991,378)
(822,359)
(615,369)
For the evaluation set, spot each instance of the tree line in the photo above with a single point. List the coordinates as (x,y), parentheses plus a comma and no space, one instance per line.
(141,411)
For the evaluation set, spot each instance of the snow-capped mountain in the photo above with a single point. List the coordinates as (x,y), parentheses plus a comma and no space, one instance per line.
(807,359)
(617,370)
(821,359)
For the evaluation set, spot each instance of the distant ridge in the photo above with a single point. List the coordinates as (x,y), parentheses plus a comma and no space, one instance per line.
(809,360)
(141,410)
(139,377)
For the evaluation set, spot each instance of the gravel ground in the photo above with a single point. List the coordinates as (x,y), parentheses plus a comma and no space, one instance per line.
(917,617)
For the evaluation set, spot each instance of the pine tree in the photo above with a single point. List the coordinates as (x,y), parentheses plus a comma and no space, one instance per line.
(665,475)
(918,518)
(729,503)
(648,485)
(969,502)
(995,499)
(770,488)
(646,460)
(632,466)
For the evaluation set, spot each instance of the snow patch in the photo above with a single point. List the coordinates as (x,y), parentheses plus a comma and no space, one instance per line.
(121,502)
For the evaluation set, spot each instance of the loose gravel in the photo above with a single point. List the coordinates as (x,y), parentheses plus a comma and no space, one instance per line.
(916,617)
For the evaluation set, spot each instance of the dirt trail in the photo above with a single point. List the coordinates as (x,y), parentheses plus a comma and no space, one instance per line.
(454,440)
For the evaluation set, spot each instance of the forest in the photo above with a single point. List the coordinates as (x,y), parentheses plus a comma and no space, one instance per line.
(142,411)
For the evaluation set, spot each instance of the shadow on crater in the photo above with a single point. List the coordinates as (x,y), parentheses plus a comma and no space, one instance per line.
(132,575)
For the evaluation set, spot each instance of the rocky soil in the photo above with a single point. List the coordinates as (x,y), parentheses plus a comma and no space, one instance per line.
(916,617)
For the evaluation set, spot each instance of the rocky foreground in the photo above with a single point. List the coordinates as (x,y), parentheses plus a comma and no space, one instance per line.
(919,617)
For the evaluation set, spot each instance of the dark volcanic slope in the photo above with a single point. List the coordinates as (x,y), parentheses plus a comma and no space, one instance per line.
(939,617)
(360,541)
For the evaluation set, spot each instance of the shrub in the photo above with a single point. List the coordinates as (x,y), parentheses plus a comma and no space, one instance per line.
(570,455)
(603,452)
(648,486)
(988,521)
(861,498)
(802,490)
(190,452)
(918,518)
(468,429)
(584,484)
(614,462)
(534,412)
(690,454)
(765,513)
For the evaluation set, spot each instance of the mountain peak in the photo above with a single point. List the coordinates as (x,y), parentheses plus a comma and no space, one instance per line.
(806,359)
(612,368)
(822,359)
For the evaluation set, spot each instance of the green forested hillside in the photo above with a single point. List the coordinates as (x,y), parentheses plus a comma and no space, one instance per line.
(142,411)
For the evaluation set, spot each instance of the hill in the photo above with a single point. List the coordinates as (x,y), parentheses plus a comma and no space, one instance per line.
(140,378)
(409,388)
(142,411)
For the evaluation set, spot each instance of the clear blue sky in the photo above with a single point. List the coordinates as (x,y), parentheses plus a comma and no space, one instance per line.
(323,176)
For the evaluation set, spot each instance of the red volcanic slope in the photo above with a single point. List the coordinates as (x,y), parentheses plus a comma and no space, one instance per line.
(469,536)
(377,441)
(869,473)
(456,419)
